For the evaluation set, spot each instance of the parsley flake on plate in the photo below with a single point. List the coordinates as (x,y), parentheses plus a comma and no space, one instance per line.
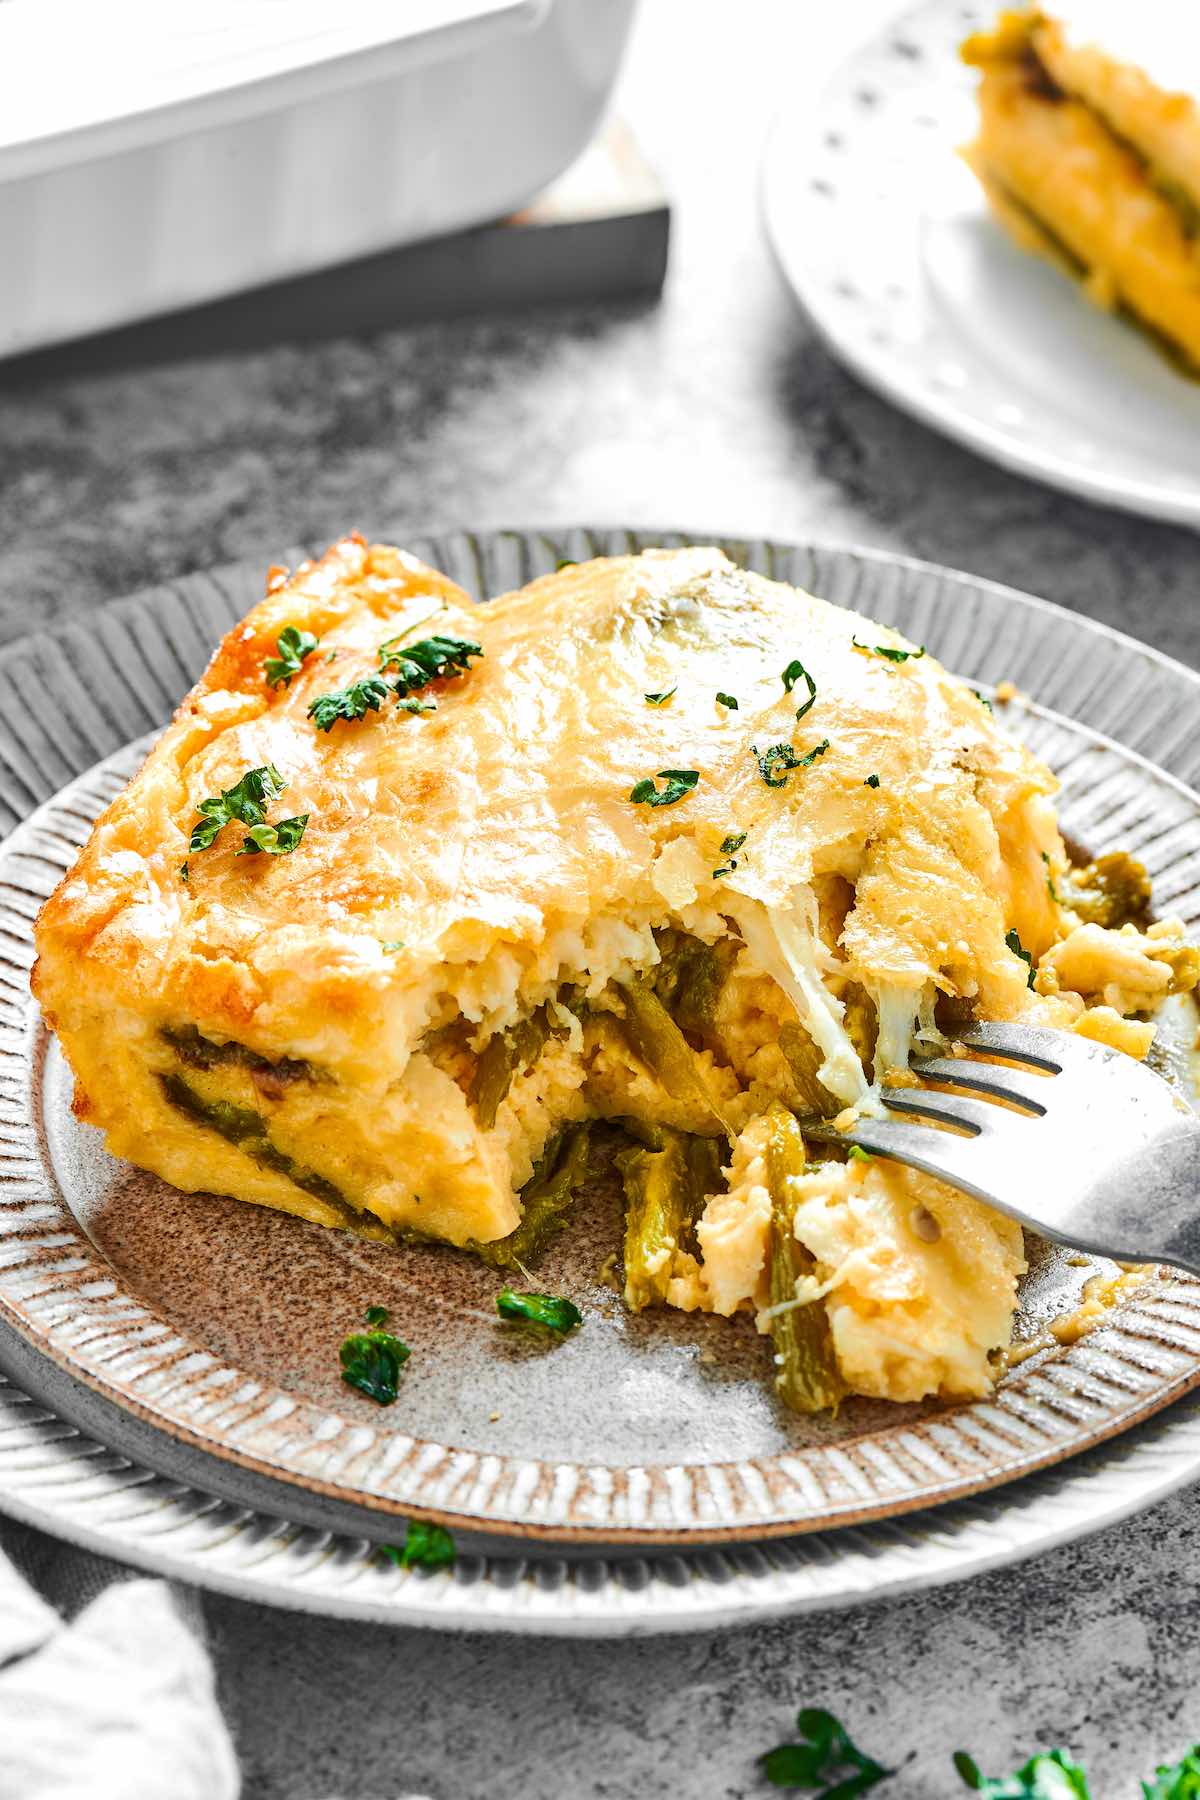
(679,782)
(795,672)
(353,702)
(548,1312)
(372,1360)
(425,1546)
(293,646)
(418,664)
(660,699)
(1014,943)
(246,801)
(825,1761)
(1052,1775)
(889,652)
(777,763)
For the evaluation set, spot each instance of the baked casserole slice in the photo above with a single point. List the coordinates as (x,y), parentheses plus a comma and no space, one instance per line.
(412,892)
(1090,152)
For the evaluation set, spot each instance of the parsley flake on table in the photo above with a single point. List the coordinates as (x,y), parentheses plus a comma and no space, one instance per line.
(795,672)
(825,1762)
(889,652)
(660,699)
(1175,1781)
(418,664)
(777,763)
(353,702)
(425,1546)
(246,801)
(372,1360)
(1012,939)
(1049,1776)
(293,646)
(547,1312)
(679,782)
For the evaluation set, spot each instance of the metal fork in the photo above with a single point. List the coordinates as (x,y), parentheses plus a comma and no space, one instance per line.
(1091,1148)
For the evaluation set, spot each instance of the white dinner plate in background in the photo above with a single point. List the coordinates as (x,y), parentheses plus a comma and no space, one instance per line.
(883,234)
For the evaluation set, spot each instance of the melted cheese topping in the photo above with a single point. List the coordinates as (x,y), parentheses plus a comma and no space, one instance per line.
(305,1031)
(1101,171)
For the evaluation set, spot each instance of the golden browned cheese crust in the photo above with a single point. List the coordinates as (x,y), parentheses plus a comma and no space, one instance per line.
(853,839)
(1090,163)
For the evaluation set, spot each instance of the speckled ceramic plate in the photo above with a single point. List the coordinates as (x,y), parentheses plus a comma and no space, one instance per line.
(198,1338)
(884,236)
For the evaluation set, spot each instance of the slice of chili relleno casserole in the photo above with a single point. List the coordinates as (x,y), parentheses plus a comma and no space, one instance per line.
(412,892)
(1089,151)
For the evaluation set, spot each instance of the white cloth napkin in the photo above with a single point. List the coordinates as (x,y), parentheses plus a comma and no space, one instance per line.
(117,1703)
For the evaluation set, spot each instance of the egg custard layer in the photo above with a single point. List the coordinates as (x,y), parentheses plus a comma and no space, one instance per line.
(412,893)
(1092,158)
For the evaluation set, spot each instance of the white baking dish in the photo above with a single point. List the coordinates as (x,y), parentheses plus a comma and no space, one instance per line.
(157,155)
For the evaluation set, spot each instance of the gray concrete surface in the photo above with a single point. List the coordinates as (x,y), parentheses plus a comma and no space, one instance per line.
(714,408)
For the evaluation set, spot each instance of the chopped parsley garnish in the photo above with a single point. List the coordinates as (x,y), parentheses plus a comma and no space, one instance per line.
(729,845)
(247,802)
(425,1546)
(1014,943)
(420,663)
(185,874)
(727,700)
(416,706)
(353,702)
(276,840)
(547,1312)
(856,1153)
(679,783)
(1176,1781)
(660,699)
(1049,1776)
(1049,879)
(889,652)
(983,699)
(777,763)
(372,1360)
(564,562)
(293,646)
(825,1760)
(871,781)
(795,672)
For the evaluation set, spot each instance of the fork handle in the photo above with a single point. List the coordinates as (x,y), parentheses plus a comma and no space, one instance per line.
(1145,1207)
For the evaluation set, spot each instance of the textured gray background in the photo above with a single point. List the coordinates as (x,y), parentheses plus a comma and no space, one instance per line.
(712,409)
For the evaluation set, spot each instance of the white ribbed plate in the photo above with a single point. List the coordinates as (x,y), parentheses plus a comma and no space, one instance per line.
(92,1349)
(884,236)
